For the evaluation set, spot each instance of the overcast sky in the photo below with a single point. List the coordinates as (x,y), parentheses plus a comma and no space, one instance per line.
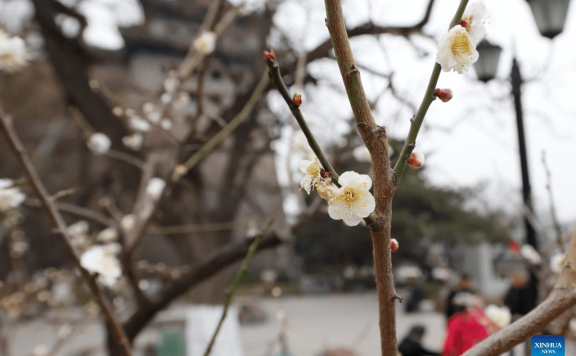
(468,141)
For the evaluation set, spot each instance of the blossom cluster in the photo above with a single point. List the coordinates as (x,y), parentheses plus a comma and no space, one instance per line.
(351,202)
(13,55)
(457,48)
(10,196)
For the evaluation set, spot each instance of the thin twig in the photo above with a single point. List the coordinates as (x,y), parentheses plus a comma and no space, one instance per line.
(553,214)
(227,130)
(416,121)
(75,210)
(236,282)
(42,194)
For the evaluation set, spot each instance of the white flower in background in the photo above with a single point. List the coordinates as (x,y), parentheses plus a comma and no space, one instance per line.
(206,42)
(473,21)
(78,228)
(99,143)
(166,124)
(134,141)
(107,235)
(253,229)
(155,187)
(148,108)
(416,159)
(128,222)
(10,198)
(456,50)
(13,55)
(499,315)
(557,262)
(181,100)
(362,154)
(166,98)
(353,201)
(311,171)
(101,259)
(531,255)
(171,83)
(572,325)
(137,123)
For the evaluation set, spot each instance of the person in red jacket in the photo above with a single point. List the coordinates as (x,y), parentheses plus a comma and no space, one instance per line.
(467,327)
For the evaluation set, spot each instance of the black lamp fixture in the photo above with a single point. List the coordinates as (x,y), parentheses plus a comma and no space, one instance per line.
(487,63)
(550,16)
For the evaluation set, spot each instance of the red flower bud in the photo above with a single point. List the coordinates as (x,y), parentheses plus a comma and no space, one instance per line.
(394,245)
(464,23)
(297,99)
(270,55)
(416,160)
(443,94)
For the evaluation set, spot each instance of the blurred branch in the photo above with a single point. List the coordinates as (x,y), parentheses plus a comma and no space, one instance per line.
(553,214)
(75,210)
(185,229)
(236,282)
(57,220)
(562,297)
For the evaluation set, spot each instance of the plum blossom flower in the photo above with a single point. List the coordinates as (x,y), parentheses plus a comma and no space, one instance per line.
(137,123)
(128,222)
(416,159)
(557,262)
(362,154)
(472,21)
(206,42)
(107,235)
(353,201)
(13,55)
(531,255)
(101,259)
(134,141)
(456,50)
(155,187)
(311,171)
(499,315)
(10,197)
(99,143)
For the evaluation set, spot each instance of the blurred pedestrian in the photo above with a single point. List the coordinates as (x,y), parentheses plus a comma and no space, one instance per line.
(463,286)
(467,327)
(412,343)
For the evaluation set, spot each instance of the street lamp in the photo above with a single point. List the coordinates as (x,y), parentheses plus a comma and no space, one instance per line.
(550,15)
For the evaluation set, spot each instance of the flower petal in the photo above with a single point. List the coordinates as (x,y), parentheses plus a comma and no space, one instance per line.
(352,219)
(304,166)
(364,206)
(348,178)
(338,209)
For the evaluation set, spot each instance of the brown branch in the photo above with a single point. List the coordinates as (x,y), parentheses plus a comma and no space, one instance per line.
(223,257)
(562,297)
(75,210)
(58,222)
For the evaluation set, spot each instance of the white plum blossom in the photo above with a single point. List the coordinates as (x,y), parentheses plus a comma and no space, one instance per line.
(165,98)
(107,235)
(78,228)
(362,154)
(102,260)
(166,124)
(206,42)
(137,123)
(128,222)
(499,315)
(10,197)
(171,83)
(557,262)
(13,55)
(311,171)
(353,201)
(473,21)
(99,143)
(134,141)
(531,255)
(456,50)
(155,187)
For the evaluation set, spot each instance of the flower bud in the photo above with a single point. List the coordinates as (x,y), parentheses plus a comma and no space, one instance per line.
(297,99)
(271,56)
(416,160)
(394,245)
(443,94)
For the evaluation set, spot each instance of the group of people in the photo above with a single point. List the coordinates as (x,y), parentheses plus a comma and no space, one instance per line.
(467,323)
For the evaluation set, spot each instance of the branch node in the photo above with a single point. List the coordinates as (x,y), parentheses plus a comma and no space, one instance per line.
(375,223)
(399,298)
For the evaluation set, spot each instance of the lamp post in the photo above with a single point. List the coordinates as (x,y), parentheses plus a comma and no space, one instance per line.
(550,16)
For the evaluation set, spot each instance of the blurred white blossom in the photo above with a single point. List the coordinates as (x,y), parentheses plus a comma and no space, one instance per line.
(166,124)
(362,154)
(456,50)
(10,197)
(171,83)
(311,171)
(155,187)
(557,262)
(13,55)
(99,143)
(353,201)
(107,235)
(473,21)
(499,315)
(134,141)
(137,123)
(128,222)
(530,255)
(206,42)
(101,259)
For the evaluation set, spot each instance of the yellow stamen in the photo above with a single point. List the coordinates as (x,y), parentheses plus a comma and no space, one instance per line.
(461,46)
